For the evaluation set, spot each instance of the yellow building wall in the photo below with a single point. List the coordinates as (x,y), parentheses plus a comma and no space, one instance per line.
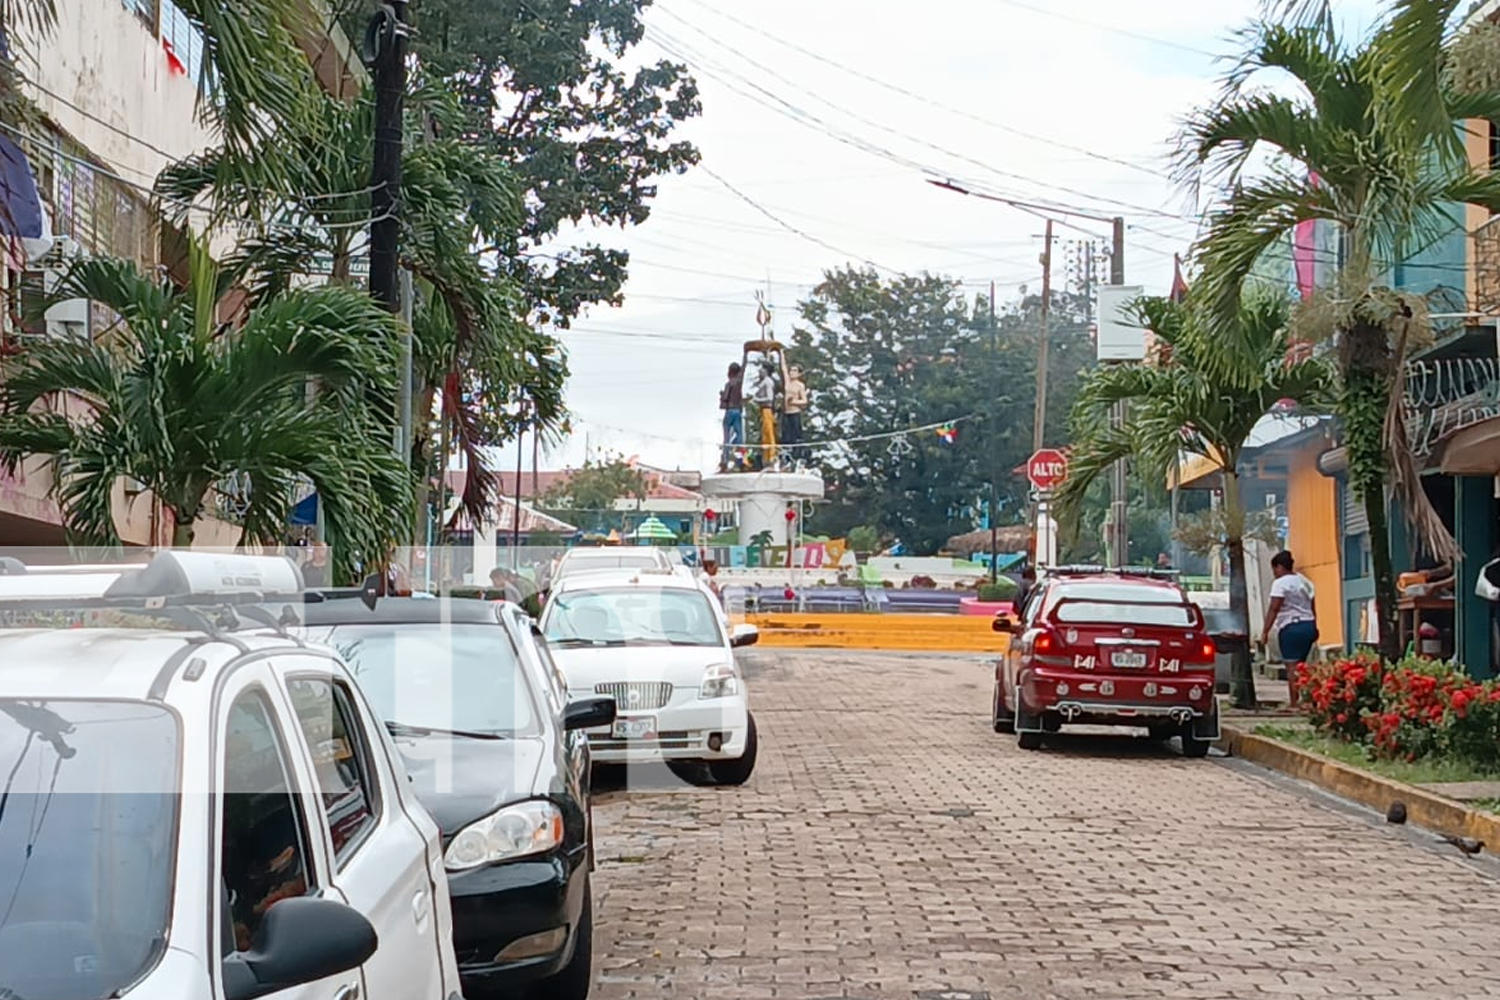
(1314,540)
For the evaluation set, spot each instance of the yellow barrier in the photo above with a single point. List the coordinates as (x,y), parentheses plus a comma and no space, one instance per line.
(930,633)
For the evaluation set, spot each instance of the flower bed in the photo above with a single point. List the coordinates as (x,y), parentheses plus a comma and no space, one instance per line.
(1413,709)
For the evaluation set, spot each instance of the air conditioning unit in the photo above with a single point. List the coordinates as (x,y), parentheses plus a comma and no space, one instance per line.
(69,318)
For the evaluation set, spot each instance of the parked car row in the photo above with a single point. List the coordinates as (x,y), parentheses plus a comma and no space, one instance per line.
(406,779)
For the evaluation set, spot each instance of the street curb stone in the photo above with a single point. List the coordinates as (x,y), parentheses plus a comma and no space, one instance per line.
(1424,808)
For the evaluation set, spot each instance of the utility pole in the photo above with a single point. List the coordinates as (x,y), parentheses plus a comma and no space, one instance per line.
(1119,509)
(994,466)
(515,521)
(1039,421)
(385,54)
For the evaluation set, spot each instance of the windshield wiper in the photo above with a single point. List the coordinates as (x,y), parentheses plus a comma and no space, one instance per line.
(404,729)
(579,640)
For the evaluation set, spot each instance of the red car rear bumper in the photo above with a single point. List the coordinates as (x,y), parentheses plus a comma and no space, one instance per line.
(1115,699)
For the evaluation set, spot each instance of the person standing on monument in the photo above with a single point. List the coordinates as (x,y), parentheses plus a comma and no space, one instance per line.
(732,402)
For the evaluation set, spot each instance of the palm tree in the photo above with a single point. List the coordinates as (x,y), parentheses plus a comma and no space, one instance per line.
(471,346)
(1372,145)
(179,401)
(1185,404)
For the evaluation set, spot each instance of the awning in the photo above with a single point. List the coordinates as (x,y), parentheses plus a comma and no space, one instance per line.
(20,204)
(1473,451)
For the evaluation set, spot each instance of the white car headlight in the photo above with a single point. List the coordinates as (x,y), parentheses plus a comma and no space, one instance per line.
(719,681)
(517,831)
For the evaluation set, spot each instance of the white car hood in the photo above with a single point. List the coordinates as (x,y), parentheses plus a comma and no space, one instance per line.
(680,666)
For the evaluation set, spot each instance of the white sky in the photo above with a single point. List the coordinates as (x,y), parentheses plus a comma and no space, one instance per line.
(1072,73)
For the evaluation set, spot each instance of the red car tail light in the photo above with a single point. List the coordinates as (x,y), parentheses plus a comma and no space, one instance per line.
(1045,642)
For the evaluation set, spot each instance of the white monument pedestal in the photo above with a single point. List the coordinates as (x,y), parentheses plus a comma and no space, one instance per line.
(762,499)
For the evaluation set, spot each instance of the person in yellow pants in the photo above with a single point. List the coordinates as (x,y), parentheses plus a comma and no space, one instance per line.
(764,397)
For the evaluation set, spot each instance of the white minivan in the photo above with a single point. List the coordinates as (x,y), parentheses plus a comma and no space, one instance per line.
(199,812)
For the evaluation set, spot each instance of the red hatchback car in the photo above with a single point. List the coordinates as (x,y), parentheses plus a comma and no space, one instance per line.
(1096,646)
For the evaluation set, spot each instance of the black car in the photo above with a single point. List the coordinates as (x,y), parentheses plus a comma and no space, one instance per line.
(498,757)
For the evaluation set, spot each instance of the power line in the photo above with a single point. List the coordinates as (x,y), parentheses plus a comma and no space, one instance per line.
(685,52)
(1093,154)
(788,226)
(1100,26)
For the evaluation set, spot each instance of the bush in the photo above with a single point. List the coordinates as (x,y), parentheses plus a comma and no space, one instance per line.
(1003,589)
(1406,710)
(924,582)
(1336,694)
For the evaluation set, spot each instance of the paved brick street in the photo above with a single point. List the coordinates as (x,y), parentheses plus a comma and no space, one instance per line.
(890,844)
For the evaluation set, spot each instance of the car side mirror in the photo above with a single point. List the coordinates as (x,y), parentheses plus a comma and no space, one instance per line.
(744,634)
(300,940)
(1003,623)
(589,713)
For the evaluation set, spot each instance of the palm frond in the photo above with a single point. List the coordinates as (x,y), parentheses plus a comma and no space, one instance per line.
(255,76)
(1407,55)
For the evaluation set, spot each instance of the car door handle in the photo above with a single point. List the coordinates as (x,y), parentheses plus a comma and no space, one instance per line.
(419,906)
(350,991)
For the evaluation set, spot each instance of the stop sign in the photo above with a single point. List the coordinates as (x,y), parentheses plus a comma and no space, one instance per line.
(1046,468)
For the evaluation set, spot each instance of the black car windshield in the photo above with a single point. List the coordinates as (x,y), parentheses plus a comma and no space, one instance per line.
(88,829)
(633,615)
(464,678)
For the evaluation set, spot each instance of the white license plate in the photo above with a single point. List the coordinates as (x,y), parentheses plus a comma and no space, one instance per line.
(635,729)
(1128,661)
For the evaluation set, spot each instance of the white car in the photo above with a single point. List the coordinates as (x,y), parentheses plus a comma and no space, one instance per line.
(200,812)
(596,558)
(657,642)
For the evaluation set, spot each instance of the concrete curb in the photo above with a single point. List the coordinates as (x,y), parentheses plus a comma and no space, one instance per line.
(1424,808)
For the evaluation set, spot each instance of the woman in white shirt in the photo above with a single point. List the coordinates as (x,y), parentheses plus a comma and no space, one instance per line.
(1293,611)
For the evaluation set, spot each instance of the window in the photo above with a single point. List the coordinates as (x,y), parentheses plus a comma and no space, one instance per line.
(146,10)
(558,683)
(465,676)
(263,838)
(633,616)
(341,756)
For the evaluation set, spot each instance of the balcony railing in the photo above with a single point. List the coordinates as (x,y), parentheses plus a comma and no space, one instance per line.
(1444,397)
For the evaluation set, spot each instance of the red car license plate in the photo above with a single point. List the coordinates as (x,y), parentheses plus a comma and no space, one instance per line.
(1128,660)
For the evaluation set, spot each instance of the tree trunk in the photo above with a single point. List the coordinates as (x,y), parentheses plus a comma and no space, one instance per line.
(182,528)
(1369,374)
(1384,571)
(1241,673)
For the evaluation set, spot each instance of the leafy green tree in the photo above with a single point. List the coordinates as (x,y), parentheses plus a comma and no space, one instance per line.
(884,355)
(594,489)
(179,401)
(1371,144)
(547,90)
(472,351)
(1183,403)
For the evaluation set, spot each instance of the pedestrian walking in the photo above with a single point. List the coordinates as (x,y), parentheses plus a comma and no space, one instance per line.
(732,402)
(1292,613)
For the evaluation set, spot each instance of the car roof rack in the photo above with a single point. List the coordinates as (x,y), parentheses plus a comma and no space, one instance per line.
(1087,569)
(176,585)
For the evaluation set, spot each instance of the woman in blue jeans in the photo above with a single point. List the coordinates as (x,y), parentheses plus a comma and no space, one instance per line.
(1293,612)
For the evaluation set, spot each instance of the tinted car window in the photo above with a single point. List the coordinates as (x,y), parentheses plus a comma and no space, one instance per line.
(633,615)
(441,676)
(341,758)
(264,833)
(1102,613)
(88,827)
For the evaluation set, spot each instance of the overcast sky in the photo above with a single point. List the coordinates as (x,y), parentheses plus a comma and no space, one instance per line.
(1067,102)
